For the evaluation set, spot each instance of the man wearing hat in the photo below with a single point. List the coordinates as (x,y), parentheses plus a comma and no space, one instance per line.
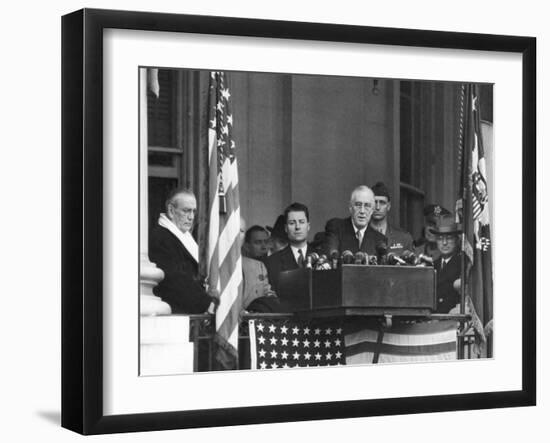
(426,244)
(397,239)
(448,265)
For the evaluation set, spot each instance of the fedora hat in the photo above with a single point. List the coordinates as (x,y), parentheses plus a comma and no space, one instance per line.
(446,225)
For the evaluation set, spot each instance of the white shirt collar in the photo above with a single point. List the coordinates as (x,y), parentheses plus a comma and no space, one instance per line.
(294,250)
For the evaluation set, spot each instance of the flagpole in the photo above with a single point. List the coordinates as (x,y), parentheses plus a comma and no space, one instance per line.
(462,146)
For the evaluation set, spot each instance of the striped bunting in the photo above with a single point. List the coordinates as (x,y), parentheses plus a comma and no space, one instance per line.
(402,342)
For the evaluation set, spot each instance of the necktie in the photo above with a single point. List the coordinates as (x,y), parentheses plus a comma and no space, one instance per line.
(359,237)
(300,258)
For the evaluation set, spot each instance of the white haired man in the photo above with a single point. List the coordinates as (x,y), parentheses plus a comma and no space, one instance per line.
(174,250)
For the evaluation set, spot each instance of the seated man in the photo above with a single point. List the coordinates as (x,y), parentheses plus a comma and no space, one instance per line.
(397,240)
(448,265)
(255,243)
(353,233)
(257,293)
(293,256)
(174,250)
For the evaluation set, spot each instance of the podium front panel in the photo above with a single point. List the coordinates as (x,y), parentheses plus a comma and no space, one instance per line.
(374,287)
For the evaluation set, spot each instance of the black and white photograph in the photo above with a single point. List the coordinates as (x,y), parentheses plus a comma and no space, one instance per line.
(292,221)
(249,221)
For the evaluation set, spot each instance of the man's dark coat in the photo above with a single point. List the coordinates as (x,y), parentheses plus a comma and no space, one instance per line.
(447,296)
(181,287)
(340,236)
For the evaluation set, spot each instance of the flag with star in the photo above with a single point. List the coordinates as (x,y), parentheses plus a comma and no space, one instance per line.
(294,343)
(474,214)
(282,344)
(224,252)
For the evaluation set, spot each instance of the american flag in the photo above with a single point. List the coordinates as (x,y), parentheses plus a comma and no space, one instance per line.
(281,344)
(475,213)
(224,254)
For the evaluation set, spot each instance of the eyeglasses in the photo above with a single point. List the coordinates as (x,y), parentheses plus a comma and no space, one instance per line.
(446,237)
(186,211)
(359,206)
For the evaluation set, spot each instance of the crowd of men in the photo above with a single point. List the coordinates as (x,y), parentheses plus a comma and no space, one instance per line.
(269,251)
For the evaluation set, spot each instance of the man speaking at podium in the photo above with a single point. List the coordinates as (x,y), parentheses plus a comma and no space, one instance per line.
(354,233)
(293,256)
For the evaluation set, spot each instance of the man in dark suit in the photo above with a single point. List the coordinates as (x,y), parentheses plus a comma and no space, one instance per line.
(354,233)
(448,265)
(174,250)
(293,256)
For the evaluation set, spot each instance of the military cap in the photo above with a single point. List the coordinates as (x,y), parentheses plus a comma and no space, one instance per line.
(432,213)
(381,190)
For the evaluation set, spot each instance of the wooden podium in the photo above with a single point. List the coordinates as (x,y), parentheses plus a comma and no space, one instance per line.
(360,290)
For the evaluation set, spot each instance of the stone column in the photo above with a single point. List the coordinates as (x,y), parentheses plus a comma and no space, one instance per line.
(149,274)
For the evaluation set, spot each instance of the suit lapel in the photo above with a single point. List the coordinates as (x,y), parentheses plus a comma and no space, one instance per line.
(350,234)
(287,260)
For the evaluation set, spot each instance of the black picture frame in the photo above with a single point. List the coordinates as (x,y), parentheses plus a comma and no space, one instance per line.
(82,230)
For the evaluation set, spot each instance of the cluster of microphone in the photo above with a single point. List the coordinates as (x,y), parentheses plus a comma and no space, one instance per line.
(319,262)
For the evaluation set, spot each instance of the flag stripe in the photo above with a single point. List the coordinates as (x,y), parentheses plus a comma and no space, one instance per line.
(367,358)
(229,266)
(229,294)
(385,348)
(402,338)
(404,327)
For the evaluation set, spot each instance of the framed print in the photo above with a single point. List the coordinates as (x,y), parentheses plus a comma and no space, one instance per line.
(282,221)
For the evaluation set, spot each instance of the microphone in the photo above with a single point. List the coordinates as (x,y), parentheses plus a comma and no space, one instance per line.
(334,259)
(312,258)
(321,263)
(381,252)
(347,257)
(409,257)
(360,258)
(426,258)
(381,248)
(393,259)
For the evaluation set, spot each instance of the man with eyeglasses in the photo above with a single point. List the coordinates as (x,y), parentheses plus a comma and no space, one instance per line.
(174,250)
(448,264)
(354,233)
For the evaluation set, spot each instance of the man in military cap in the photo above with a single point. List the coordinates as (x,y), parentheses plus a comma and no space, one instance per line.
(427,243)
(397,239)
